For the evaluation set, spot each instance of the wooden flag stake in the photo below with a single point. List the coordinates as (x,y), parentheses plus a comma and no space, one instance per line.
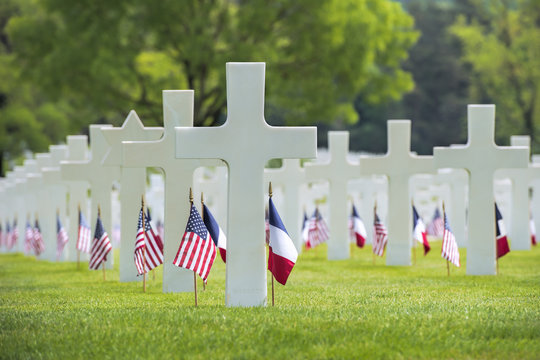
(194,275)
(78,251)
(144,248)
(270,196)
(202,216)
(103,262)
(448,267)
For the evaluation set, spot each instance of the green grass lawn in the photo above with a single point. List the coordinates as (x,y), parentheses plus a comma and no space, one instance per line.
(328,309)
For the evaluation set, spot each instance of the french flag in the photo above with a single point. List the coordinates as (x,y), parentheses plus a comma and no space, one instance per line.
(215,232)
(502,242)
(359,228)
(282,252)
(419,231)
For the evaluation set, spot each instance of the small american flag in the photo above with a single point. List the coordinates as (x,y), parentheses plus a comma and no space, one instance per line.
(502,242)
(197,250)
(39,245)
(449,249)
(28,238)
(381,236)
(436,226)
(101,246)
(84,237)
(318,232)
(61,237)
(14,237)
(148,247)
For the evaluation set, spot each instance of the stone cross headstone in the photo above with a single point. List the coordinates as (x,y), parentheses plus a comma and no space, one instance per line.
(155,197)
(215,193)
(457,179)
(32,196)
(291,176)
(518,226)
(534,169)
(177,111)
(132,186)
(399,164)
(338,171)
(481,157)
(100,179)
(246,142)
(56,197)
(22,208)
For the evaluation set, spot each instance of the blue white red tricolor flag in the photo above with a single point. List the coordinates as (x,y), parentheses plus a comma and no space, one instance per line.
(502,242)
(217,234)
(419,231)
(380,235)
(358,228)
(101,246)
(532,228)
(436,226)
(197,250)
(84,236)
(449,249)
(282,254)
(61,237)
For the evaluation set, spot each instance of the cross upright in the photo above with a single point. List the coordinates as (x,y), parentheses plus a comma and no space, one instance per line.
(77,151)
(246,142)
(100,179)
(399,164)
(534,170)
(290,176)
(21,206)
(337,171)
(481,157)
(215,193)
(518,231)
(178,174)
(132,186)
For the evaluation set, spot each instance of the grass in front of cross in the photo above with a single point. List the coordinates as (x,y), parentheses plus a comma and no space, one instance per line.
(328,309)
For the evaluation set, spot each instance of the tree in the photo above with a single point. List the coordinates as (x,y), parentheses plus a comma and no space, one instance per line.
(502,45)
(110,57)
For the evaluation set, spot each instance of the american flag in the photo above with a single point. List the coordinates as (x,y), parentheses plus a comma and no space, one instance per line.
(436,226)
(381,236)
(502,242)
(61,237)
(148,247)
(101,246)
(197,250)
(14,235)
(449,249)
(84,237)
(532,228)
(318,232)
(39,245)
(28,237)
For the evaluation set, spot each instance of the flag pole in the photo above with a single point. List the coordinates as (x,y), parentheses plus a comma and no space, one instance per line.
(414,242)
(270,196)
(202,216)
(447,262)
(57,216)
(194,275)
(103,262)
(144,247)
(78,235)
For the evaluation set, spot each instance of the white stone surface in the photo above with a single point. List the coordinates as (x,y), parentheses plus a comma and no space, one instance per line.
(132,186)
(481,157)
(337,171)
(534,169)
(246,142)
(22,208)
(399,164)
(177,111)
(100,179)
(291,176)
(213,183)
(457,179)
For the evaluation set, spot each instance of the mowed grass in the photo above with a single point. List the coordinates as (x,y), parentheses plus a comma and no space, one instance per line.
(329,309)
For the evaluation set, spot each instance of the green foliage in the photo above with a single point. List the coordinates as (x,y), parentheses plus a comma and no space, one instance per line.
(328,309)
(502,45)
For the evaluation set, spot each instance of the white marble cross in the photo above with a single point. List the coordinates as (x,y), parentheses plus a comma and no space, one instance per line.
(399,164)
(215,193)
(177,111)
(246,142)
(534,169)
(457,179)
(481,157)
(518,228)
(99,177)
(22,208)
(291,176)
(338,171)
(32,195)
(132,186)
(56,198)
(78,193)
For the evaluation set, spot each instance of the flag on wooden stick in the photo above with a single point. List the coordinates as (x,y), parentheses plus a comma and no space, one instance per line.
(502,242)
(381,235)
(217,234)
(39,245)
(148,247)
(14,235)
(436,226)
(61,237)
(358,228)
(449,249)
(101,246)
(282,254)
(419,231)
(197,250)
(84,236)
(28,237)
(318,230)
(532,228)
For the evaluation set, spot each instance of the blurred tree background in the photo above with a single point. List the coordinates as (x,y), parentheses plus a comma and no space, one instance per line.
(339,64)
